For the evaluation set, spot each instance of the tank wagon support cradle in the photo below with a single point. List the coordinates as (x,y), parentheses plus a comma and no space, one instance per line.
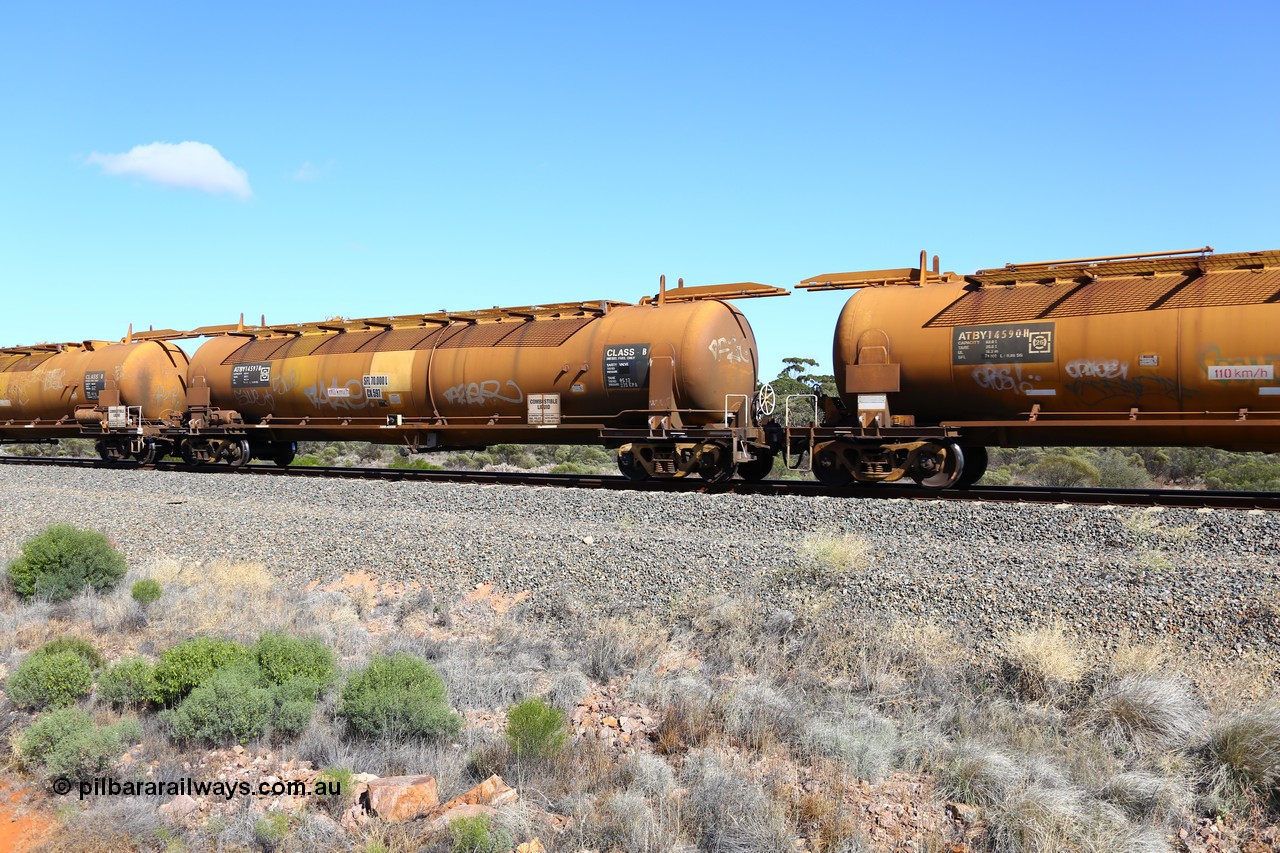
(933,368)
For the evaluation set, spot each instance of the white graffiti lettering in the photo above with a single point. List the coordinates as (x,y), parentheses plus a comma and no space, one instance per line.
(476,393)
(1008,379)
(1108,369)
(54,380)
(728,349)
(254,397)
(284,381)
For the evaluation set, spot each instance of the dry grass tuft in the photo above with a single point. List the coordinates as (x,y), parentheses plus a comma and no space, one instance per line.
(981,776)
(688,720)
(1150,797)
(865,743)
(237,601)
(727,809)
(822,814)
(1241,760)
(831,560)
(618,645)
(1139,659)
(1146,526)
(759,716)
(1043,662)
(1049,820)
(1151,712)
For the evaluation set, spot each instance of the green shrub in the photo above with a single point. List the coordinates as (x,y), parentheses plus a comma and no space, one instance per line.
(397,696)
(269,830)
(535,729)
(476,835)
(573,468)
(191,663)
(67,743)
(413,464)
(132,681)
(1063,471)
(60,562)
(338,784)
(284,658)
(57,680)
(146,591)
(232,705)
(1249,473)
(292,717)
(82,649)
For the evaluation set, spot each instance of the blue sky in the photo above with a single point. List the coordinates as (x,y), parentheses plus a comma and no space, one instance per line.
(407,157)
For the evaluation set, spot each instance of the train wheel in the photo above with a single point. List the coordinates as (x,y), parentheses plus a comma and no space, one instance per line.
(188,453)
(103,453)
(938,466)
(237,453)
(975,465)
(282,453)
(827,469)
(716,465)
(631,467)
(757,469)
(147,454)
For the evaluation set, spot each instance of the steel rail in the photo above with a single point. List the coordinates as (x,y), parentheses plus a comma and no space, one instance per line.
(1192,498)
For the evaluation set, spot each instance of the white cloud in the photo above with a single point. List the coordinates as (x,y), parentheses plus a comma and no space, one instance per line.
(189,165)
(309,171)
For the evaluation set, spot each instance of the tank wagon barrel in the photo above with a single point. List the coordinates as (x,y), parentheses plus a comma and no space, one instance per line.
(932,367)
(83,389)
(669,382)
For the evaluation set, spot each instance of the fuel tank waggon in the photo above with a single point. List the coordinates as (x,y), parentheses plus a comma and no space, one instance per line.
(42,386)
(1170,350)
(542,374)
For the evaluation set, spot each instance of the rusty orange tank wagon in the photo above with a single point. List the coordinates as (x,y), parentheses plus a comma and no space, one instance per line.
(932,368)
(73,390)
(670,382)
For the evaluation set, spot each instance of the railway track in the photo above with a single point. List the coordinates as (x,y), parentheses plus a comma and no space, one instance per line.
(1003,494)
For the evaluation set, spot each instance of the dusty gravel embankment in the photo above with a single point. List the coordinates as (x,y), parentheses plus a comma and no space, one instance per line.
(1208,581)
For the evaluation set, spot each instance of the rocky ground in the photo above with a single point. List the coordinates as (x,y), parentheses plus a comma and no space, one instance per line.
(1207,581)
(1204,585)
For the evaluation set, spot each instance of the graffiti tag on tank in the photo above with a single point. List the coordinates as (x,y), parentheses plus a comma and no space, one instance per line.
(284,381)
(54,380)
(168,398)
(729,349)
(1099,369)
(254,397)
(335,394)
(1010,380)
(1107,380)
(1126,391)
(478,393)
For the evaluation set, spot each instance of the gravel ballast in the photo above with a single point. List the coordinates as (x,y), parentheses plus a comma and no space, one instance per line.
(1208,580)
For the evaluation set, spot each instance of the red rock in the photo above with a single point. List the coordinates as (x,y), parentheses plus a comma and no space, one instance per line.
(401,797)
(491,792)
(442,819)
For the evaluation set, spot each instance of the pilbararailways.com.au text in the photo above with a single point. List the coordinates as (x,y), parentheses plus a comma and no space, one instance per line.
(100,787)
